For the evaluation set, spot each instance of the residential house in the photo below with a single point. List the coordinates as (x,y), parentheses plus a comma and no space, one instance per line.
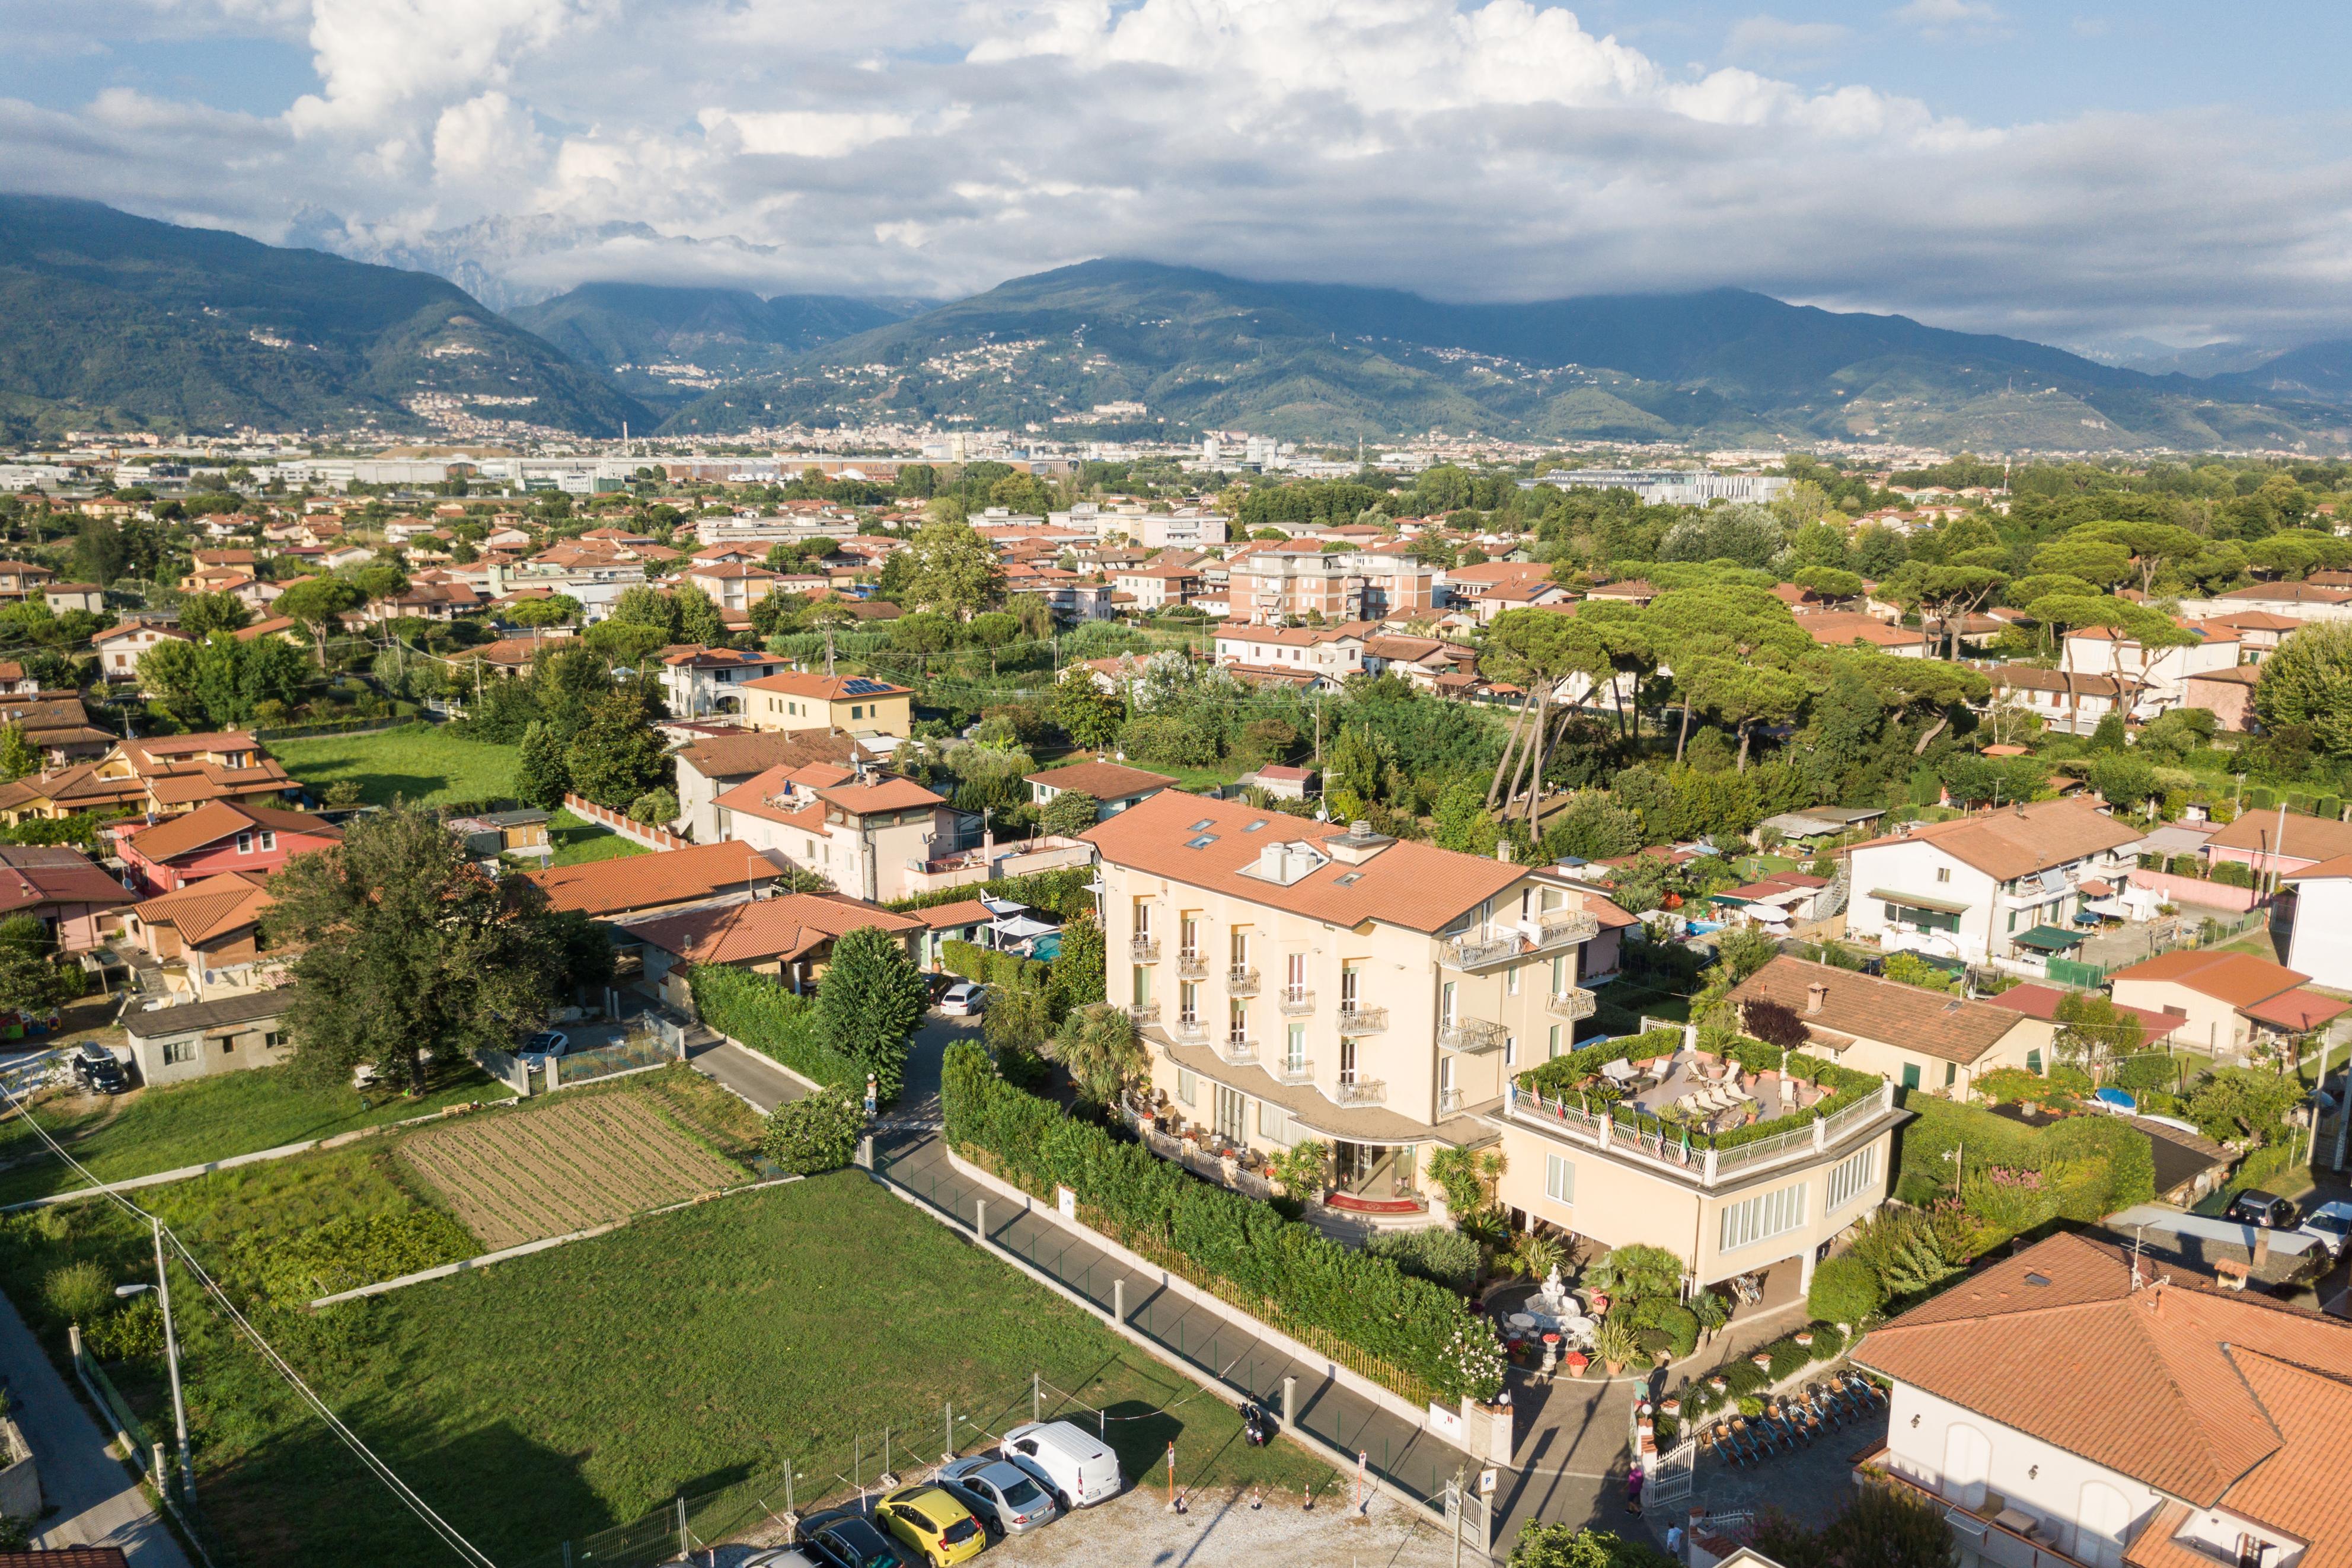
(75,900)
(1114,788)
(733,585)
(2301,600)
(1843,628)
(118,648)
(967,920)
(862,834)
(2155,678)
(855,705)
(228,1034)
(790,937)
(20,579)
(2075,1405)
(1777,902)
(15,682)
(2275,842)
(2228,695)
(1636,591)
(206,936)
(1921,1038)
(160,775)
(84,595)
(1972,888)
(1157,587)
(697,680)
(427,601)
(1285,782)
(2260,632)
(2069,702)
(2321,944)
(2040,1003)
(58,727)
(1299,979)
(1419,661)
(668,880)
(1508,585)
(216,837)
(712,764)
(1337,652)
(2228,1001)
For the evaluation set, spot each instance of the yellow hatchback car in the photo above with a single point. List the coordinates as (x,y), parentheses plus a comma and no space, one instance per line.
(931,1522)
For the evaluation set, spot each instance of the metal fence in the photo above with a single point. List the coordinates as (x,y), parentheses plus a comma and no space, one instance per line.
(631,1055)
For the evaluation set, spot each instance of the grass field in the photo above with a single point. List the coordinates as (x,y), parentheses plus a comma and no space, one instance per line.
(539,1401)
(577,843)
(424,764)
(210,1119)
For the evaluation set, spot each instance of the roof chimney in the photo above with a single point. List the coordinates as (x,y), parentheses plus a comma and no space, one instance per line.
(1815,994)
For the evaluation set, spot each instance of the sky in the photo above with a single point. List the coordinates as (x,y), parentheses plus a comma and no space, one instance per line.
(2072,172)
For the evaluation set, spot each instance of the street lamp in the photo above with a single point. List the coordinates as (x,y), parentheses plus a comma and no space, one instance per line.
(162,1288)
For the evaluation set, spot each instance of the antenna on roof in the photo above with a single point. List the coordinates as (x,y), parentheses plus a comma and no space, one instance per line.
(2138,1232)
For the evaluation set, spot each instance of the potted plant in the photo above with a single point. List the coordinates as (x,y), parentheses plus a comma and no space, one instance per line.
(1805,1338)
(1613,1342)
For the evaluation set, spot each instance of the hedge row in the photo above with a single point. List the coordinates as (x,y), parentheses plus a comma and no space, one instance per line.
(1304,1281)
(1745,1378)
(990,967)
(762,1014)
(1064,892)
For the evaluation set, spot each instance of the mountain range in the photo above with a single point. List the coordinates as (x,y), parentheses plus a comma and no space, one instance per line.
(109,320)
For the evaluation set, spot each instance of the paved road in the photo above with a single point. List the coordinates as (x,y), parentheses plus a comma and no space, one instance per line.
(747,1073)
(94,1499)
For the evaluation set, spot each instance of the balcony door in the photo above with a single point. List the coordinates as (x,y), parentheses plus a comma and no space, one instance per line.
(1190,941)
(1348,977)
(1447,995)
(1237,1023)
(1240,947)
(1294,977)
(1188,1003)
(1231,1103)
(1347,1060)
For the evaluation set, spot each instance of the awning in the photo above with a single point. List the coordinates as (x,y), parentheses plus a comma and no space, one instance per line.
(1918,901)
(1020,927)
(2048,939)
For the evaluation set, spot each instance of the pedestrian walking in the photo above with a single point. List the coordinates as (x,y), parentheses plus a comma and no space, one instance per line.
(1675,1542)
(1634,1491)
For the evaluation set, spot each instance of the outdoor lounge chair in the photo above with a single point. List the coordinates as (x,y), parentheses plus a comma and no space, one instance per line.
(1873,1397)
(1745,1443)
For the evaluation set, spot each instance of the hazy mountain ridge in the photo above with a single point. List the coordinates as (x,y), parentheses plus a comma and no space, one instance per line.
(111,320)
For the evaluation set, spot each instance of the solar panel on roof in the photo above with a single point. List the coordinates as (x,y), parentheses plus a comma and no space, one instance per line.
(859,686)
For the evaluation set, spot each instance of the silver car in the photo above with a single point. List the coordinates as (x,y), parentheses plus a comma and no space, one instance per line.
(1006,1498)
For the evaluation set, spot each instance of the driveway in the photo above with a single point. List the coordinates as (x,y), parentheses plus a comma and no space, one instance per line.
(92,1499)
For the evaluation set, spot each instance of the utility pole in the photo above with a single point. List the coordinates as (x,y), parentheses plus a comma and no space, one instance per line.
(172,1357)
(828,649)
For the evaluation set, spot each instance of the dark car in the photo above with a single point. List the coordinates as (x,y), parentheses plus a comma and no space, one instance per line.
(848,1539)
(96,1072)
(2272,1213)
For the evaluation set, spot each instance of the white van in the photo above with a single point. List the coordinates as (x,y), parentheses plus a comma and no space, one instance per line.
(1077,1465)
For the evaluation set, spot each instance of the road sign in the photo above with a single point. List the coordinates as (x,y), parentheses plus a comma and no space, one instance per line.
(1486,1481)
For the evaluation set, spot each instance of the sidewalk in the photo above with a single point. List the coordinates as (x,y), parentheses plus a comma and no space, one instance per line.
(94,1499)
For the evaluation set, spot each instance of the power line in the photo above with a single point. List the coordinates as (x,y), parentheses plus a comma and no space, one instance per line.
(447,1533)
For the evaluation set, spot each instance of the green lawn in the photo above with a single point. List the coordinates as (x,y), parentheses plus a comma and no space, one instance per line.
(424,764)
(544,1399)
(210,1119)
(578,842)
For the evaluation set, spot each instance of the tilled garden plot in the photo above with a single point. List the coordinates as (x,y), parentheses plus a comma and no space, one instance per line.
(520,1175)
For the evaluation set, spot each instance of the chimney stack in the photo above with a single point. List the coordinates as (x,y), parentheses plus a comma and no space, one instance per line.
(2018,806)
(1815,994)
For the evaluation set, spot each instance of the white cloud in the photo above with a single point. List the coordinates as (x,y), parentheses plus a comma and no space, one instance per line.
(1943,19)
(1497,148)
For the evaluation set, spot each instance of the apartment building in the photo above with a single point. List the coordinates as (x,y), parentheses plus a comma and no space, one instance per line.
(2155,678)
(2074,1406)
(713,764)
(856,704)
(1290,583)
(1157,587)
(733,584)
(1986,888)
(1334,651)
(1297,980)
(2069,702)
(697,681)
(1396,586)
(863,834)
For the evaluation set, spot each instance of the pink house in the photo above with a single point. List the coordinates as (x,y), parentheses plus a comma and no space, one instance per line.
(225,836)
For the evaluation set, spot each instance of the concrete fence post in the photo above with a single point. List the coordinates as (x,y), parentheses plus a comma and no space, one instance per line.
(865,1152)
(980,1217)
(1290,1402)
(1118,1300)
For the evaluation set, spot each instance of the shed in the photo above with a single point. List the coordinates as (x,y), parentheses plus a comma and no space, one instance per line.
(173,1045)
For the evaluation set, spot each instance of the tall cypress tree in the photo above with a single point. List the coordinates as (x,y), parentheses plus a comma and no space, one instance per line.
(869,1004)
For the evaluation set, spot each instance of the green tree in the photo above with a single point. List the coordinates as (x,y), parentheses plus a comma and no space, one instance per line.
(870,1003)
(542,778)
(318,603)
(1088,715)
(2092,1030)
(2309,683)
(1544,1545)
(408,953)
(640,604)
(202,614)
(816,1133)
(1878,1526)
(954,571)
(697,618)
(30,977)
(1100,1048)
(1463,822)
(1069,813)
(617,754)
(555,610)
(1081,971)
(18,756)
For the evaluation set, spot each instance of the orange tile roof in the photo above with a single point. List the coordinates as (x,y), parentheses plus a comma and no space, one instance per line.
(1416,885)
(1103,780)
(2297,1010)
(1934,1023)
(656,881)
(825,688)
(2240,979)
(2226,1400)
(882,795)
(2010,842)
(2293,836)
(2039,1001)
(205,909)
(216,820)
(782,928)
(966,912)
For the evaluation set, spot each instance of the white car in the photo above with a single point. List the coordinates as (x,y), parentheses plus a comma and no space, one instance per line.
(2331,1225)
(1076,1465)
(539,1048)
(963,998)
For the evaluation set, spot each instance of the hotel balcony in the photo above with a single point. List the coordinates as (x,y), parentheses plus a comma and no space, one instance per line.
(1361,1092)
(1143,1013)
(1572,1003)
(1241,981)
(1237,1052)
(1144,950)
(1356,1018)
(1191,965)
(1299,1074)
(1491,945)
(1190,1030)
(1294,1002)
(1471,1037)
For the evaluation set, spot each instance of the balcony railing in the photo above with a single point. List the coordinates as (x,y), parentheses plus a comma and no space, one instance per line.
(1479,947)
(1296,1074)
(1653,1143)
(1575,1002)
(1144,949)
(1241,981)
(1238,1052)
(1143,1013)
(1294,1002)
(1450,1102)
(1189,1030)
(1356,1018)
(1473,1036)
(1361,1092)
(1191,965)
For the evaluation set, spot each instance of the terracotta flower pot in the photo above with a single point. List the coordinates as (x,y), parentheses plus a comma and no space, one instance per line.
(1719,1385)
(1804,1339)
(1763,1363)
(1671,1406)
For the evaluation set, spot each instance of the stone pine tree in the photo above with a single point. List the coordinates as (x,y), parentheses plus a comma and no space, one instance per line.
(541,777)
(869,1004)
(409,955)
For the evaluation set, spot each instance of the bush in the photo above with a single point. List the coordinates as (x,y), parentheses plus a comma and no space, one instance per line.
(345,1253)
(990,968)
(1829,1341)
(78,1291)
(1299,1278)
(1845,1289)
(133,1333)
(2231,874)
(1789,1358)
(816,1133)
(1443,1257)
(1744,1376)
(762,1014)
(1677,1323)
